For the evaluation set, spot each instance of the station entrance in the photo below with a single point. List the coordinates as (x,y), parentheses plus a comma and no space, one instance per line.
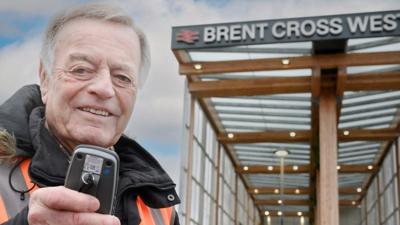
(291,121)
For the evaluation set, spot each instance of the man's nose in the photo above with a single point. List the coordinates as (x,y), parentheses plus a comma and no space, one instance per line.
(102,85)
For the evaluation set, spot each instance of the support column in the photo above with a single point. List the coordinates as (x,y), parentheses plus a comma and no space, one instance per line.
(396,145)
(327,185)
(378,198)
(217,183)
(188,196)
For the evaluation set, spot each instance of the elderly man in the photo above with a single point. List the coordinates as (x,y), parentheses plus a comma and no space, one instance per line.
(92,61)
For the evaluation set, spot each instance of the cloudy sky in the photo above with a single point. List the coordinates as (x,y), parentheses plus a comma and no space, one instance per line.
(157,120)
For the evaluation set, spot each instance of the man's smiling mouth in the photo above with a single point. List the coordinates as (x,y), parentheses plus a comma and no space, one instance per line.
(98,112)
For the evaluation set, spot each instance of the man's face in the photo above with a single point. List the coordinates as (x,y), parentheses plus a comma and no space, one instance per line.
(90,94)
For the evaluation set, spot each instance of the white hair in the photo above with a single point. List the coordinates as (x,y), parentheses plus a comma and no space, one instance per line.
(103,12)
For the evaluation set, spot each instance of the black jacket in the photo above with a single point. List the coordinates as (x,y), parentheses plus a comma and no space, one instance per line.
(140,174)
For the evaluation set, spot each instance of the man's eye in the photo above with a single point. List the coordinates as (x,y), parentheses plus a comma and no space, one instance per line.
(80,71)
(122,80)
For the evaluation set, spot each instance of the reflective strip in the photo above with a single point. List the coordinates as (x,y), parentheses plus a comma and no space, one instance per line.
(151,216)
(145,213)
(24,166)
(11,199)
(3,211)
(167,215)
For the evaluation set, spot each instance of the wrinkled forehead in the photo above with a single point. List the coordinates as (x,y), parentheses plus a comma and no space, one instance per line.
(109,36)
(91,27)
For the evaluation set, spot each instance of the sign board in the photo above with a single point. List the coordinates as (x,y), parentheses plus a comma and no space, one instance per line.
(360,25)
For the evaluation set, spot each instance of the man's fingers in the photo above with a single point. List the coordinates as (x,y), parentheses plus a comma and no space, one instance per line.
(50,216)
(61,198)
(92,219)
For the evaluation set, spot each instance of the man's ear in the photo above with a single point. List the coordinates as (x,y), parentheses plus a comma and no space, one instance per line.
(44,82)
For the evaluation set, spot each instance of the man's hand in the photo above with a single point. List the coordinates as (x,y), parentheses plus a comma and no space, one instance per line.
(62,206)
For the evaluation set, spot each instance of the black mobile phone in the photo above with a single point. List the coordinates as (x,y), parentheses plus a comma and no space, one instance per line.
(94,170)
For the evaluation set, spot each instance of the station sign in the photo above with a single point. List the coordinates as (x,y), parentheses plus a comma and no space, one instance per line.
(346,26)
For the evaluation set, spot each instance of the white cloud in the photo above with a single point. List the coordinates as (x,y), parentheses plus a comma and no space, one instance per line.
(18,66)
(24,8)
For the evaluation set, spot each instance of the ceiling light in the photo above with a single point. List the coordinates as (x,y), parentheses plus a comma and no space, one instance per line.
(285,61)
(276,191)
(295,168)
(281,153)
(198,66)
(292,134)
(370,167)
(346,132)
(359,190)
(338,167)
(231,135)
(353,202)
(279,201)
(299,213)
(270,168)
(245,168)
(266,213)
(297,191)
(279,213)
(256,191)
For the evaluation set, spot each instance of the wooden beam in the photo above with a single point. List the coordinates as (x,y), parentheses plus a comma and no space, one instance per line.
(386,134)
(296,169)
(250,87)
(300,84)
(373,81)
(323,61)
(303,202)
(285,202)
(351,191)
(340,88)
(289,169)
(287,213)
(300,191)
(328,180)
(304,136)
(270,136)
(275,190)
(357,168)
(314,142)
(182,56)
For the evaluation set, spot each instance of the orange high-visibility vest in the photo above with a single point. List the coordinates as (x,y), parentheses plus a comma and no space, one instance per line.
(11,203)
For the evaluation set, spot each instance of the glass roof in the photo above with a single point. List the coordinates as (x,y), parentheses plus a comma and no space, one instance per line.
(293,112)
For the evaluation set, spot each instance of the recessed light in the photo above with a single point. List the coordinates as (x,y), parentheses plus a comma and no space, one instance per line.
(245,168)
(279,201)
(295,168)
(198,66)
(256,191)
(370,167)
(279,213)
(297,191)
(299,213)
(359,190)
(266,213)
(338,167)
(292,134)
(346,132)
(285,61)
(231,135)
(270,168)
(276,191)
